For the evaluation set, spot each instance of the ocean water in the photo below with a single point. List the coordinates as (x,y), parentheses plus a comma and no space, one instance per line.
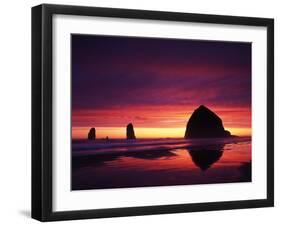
(120,163)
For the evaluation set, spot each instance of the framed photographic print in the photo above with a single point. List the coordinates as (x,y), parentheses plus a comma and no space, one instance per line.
(145,112)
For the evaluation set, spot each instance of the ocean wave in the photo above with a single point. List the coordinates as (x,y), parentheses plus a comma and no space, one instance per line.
(98,147)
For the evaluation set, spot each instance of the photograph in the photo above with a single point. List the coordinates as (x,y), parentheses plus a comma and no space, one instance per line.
(154,111)
(141,112)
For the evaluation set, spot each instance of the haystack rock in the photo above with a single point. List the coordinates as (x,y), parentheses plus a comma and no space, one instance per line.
(204,123)
(92,134)
(130,131)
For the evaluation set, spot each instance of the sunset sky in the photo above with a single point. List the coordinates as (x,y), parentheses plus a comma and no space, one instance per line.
(156,84)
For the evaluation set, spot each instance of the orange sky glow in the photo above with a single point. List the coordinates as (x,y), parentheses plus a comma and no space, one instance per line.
(153,122)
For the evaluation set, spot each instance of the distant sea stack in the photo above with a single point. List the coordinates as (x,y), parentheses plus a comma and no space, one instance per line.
(204,123)
(130,132)
(92,134)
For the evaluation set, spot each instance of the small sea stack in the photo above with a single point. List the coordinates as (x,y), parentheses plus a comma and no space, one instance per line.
(130,132)
(92,134)
(204,123)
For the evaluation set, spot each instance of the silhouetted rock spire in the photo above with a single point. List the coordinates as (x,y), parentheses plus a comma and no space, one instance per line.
(204,123)
(92,134)
(130,131)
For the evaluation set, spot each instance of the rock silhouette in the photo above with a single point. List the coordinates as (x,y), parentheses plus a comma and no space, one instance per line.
(130,132)
(246,171)
(204,123)
(92,134)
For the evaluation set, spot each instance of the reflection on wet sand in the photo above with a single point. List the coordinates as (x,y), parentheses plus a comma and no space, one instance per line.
(204,157)
(162,165)
(99,160)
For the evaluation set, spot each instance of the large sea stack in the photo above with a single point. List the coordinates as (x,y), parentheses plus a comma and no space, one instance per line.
(130,132)
(204,123)
(92,134)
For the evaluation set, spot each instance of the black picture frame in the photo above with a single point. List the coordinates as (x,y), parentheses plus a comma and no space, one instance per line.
(42,111)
